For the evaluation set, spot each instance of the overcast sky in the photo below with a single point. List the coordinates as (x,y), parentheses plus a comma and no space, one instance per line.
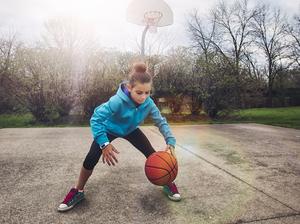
(107,18)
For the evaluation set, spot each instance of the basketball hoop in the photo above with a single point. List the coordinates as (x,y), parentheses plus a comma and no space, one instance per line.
(152,29)
(151,20)
(152,17)
(150,14)
(153,13)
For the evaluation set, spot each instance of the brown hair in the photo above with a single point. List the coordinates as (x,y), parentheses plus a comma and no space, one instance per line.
(139,74)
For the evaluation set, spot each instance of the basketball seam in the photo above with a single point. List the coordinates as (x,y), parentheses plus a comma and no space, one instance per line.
(174,165)
(172,169)
(165,161)
(160,177)
(169,172)
(164,175)
(157,168)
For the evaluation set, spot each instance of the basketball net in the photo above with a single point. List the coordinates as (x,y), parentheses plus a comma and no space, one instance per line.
(151,19)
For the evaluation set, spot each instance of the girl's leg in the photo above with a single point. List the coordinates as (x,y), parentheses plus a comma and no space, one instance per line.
(83,178)
(141,142)
(90,162)
(76,194)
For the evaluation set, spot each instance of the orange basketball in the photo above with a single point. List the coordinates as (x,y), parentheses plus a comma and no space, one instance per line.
(161,168)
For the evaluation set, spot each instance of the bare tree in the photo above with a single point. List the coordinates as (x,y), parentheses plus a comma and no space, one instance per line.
(251,64)
(48,93)
(68,42)
(9,46)
(233,30)
(226,34)
(269,32)
(68,34)
(202,36)
(73,39)
(294,32)
(174,79)
(101,77)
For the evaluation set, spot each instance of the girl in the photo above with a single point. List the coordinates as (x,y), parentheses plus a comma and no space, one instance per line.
(120,117)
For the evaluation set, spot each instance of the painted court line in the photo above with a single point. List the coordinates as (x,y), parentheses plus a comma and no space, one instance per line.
(269,218)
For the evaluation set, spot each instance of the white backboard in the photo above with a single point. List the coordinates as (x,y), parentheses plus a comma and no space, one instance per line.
(138,9)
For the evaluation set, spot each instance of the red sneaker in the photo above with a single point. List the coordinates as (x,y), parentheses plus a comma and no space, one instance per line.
(172,192)
(71,199)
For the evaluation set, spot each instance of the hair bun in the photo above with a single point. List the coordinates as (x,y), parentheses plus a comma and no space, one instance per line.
(139,67)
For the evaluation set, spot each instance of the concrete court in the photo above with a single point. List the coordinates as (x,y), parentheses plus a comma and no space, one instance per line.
(234,173)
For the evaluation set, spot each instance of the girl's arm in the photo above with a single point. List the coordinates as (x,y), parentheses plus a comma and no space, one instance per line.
(101,114)
(163,126)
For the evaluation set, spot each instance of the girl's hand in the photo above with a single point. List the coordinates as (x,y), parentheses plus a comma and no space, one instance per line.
(170,149)
(108,155)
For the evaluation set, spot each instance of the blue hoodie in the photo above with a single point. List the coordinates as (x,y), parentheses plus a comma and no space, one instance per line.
(119,116)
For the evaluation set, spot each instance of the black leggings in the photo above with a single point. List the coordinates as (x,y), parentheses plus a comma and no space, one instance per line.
(136,138)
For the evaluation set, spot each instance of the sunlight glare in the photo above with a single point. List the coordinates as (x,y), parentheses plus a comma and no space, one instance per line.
(97,12)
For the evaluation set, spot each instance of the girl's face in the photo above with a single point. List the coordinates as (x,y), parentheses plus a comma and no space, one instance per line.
(139,92)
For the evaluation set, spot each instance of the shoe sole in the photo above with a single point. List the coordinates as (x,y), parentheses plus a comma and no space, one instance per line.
(70,207)
(170,197)
(174,199)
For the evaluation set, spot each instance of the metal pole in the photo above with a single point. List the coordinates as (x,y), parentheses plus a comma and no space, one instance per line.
(143,41)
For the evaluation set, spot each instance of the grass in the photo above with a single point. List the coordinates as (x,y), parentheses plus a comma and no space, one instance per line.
(16,120)
(27,120)
(283,116)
